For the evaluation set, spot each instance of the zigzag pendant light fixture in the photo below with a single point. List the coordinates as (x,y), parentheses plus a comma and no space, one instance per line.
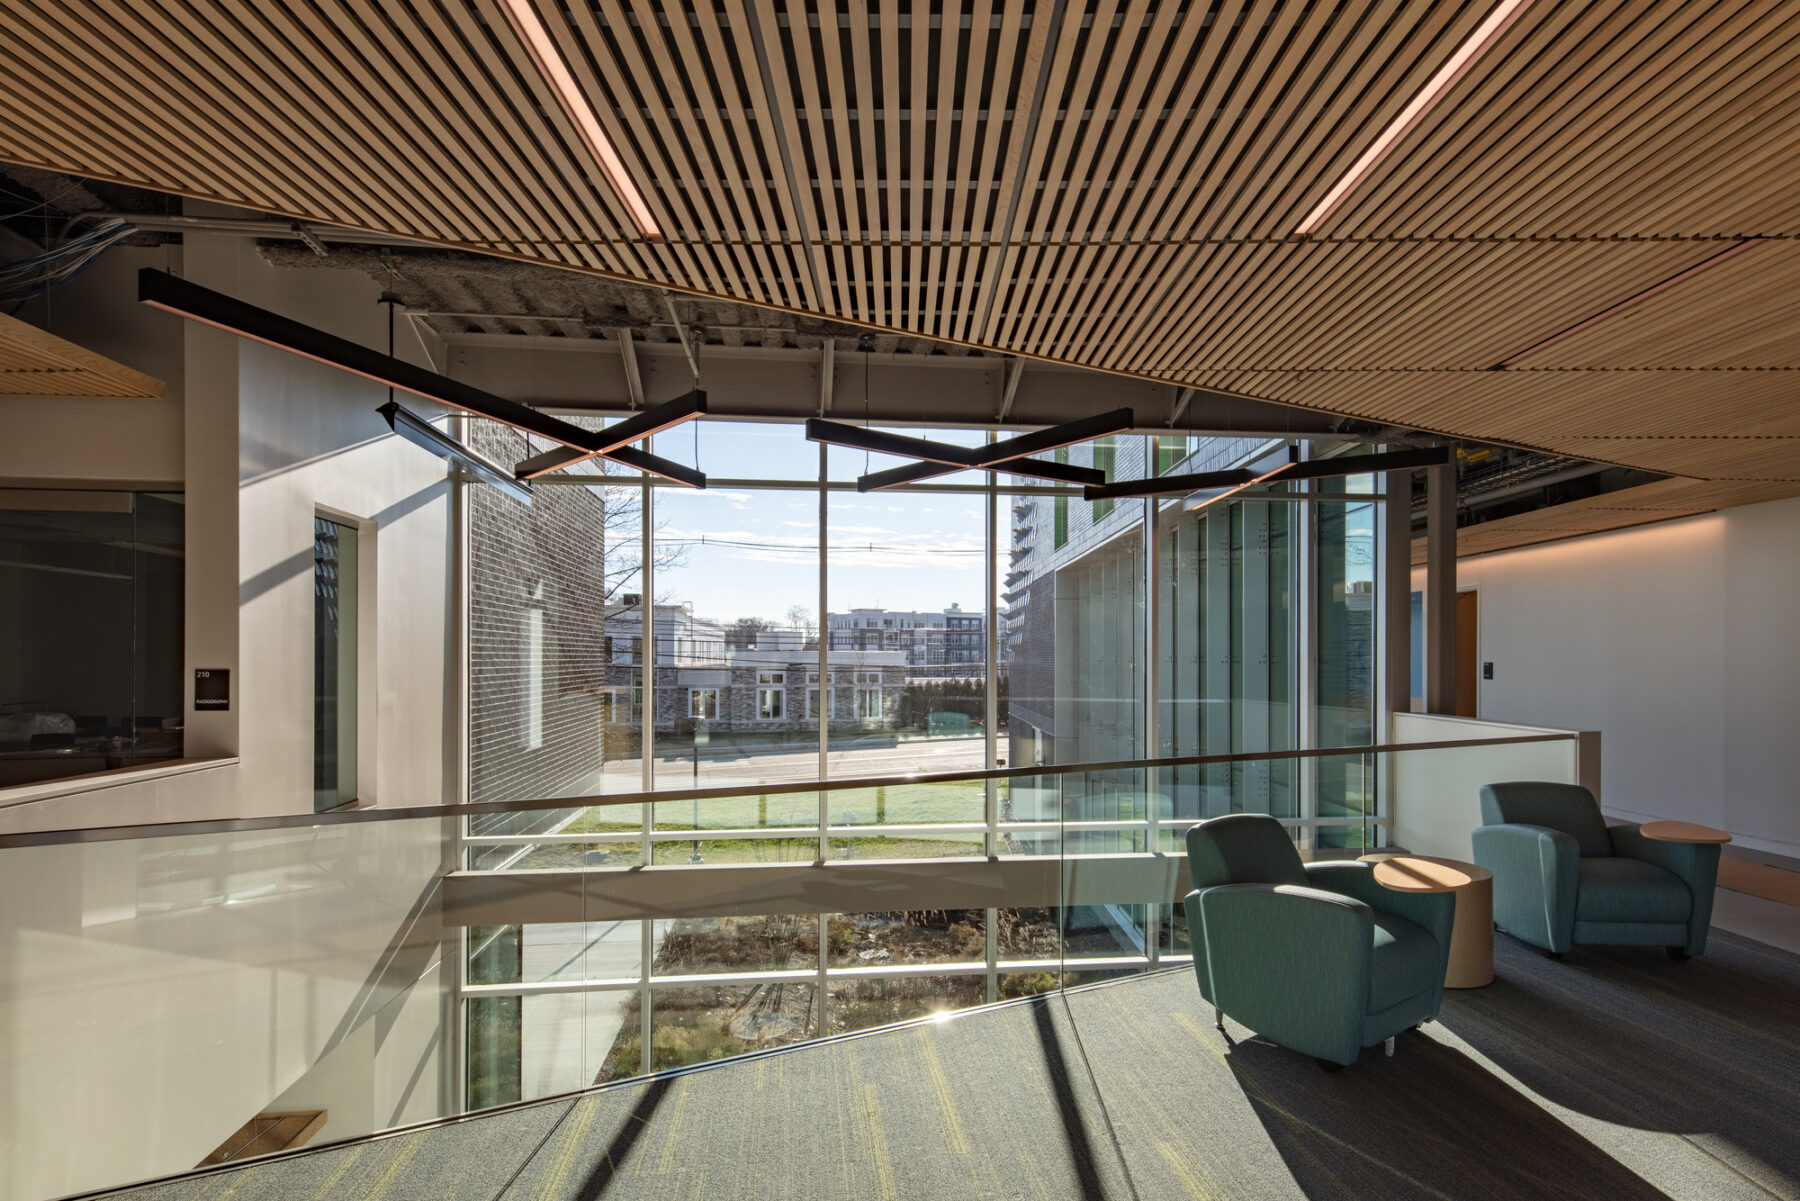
(161,290)
(1205,487)
(1010,455)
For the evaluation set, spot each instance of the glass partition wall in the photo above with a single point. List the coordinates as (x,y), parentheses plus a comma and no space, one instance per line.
(780,627)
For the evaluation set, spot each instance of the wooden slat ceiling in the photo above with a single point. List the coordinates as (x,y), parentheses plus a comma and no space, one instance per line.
(1106,182)
(36,363)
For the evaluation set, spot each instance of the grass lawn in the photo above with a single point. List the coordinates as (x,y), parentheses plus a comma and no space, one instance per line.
(901,804)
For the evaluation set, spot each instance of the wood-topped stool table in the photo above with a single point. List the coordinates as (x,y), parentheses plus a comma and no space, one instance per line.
(1682,832)
(1472,936)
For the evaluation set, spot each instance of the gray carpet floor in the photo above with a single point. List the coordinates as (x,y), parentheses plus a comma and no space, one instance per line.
(1611,1074)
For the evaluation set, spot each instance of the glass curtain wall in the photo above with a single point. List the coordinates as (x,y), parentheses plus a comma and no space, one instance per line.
(1225,641)
(802,630)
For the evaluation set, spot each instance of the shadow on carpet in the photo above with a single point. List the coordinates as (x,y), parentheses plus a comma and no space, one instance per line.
(1707,1050)
(1198,1115)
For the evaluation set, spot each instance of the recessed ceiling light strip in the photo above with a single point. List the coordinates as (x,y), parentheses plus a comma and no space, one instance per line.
(523,16)
(1477,44)
(1632,301)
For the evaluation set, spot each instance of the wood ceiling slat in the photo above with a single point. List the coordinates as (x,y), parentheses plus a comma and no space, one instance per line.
(35,362)
(874,210)
(782,194)
(753,159)
(1480,94)
(1027,141)
(1149,58)
(1131,220)
(933,225)
(106,95)
(315,45)
(830,159)
(1172,303)
(1509,191)
(428,85)
(1076,88)
(1379,57)
(988,90)
(1227,49)
(704,210)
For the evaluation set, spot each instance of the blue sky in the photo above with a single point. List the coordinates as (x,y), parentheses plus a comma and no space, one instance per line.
(893,550)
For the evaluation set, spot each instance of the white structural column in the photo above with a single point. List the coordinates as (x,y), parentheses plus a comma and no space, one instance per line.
(1440,589)
(210,404)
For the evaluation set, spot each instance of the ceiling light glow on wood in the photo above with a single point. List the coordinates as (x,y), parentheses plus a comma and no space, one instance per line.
(523,16)
(1477,44)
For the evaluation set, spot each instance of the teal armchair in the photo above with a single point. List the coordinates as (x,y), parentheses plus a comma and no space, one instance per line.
(1563,877)
(1316,957)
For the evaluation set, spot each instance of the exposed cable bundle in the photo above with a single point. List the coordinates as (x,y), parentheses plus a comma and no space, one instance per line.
(52,269)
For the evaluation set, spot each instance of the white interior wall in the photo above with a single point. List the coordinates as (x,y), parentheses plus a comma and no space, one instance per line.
(168,1031)
(1677,641)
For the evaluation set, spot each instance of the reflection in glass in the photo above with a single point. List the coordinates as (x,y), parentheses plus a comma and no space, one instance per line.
(91,584)
(1345,712)
(1225,632)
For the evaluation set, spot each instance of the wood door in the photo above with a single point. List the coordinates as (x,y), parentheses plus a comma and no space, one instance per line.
(1468,654)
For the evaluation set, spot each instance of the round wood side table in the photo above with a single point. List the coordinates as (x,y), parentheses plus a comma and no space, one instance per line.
(1682,832)
(1472,935)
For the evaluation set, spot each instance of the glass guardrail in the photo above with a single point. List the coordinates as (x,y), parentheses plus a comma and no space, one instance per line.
(383,970)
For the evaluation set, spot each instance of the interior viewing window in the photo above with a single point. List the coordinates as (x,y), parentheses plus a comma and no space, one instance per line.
(771,689)
(334,664)
(703,702)
(91,646)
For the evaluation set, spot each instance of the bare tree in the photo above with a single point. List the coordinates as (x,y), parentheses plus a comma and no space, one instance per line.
(622,508)
(799,617)
(742,632)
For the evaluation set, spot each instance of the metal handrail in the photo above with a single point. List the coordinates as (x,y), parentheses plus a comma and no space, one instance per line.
(661,796)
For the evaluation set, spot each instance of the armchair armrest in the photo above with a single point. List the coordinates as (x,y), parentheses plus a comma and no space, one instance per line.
(1291,963)
(1435,911)
(1535,877)
(1695,864)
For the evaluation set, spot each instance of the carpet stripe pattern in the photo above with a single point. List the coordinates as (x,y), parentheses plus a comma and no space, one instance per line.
(1610,1074)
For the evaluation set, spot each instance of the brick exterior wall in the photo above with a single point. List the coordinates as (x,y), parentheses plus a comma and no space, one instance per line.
(740,695)
(547,556)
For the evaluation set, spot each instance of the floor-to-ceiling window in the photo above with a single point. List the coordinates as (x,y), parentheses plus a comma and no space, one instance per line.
(782,626)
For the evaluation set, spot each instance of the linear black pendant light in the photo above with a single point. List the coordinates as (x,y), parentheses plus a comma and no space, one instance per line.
(420,432)
(1207,486)
(161,290)
(1010,455)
